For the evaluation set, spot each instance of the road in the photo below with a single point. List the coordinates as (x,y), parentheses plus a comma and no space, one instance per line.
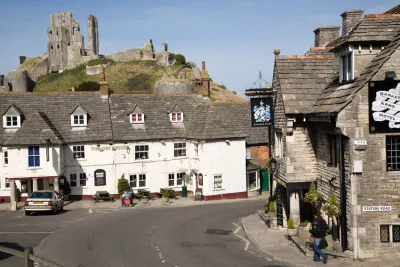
(207,235)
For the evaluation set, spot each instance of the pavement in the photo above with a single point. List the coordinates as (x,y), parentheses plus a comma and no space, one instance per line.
(274,244)
(207,234)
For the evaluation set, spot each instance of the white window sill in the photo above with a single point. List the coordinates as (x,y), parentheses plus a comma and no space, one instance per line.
(219,189)
(254,189)
(181,157)
(6,189)
(79,159)
(5,165)
(34,168)
(142,160)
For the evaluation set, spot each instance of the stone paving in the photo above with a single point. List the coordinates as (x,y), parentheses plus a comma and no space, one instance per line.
(276,245)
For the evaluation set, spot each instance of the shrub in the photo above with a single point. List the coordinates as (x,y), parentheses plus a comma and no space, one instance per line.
(313,196)
(332,208)
(123,184)
(290,224)
(191,64)
(180,59)
(271,207)
(166,194)
(88,86)
(22,59)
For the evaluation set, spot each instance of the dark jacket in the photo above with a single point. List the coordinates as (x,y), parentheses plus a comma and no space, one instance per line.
(319,228)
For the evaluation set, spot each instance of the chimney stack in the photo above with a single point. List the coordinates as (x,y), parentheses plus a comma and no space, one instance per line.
(325,35)
(350,19)
(203,65)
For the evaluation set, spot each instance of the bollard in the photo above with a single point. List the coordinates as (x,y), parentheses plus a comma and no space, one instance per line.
(28,262)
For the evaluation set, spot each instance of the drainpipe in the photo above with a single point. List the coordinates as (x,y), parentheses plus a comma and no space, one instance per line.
(354,234)
(342,195)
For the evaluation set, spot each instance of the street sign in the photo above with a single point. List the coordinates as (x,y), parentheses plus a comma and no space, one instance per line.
(377,208)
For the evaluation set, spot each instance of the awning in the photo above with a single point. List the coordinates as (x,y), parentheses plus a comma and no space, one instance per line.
(34,177)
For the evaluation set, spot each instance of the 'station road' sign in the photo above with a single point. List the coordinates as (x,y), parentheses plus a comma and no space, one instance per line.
(377,208)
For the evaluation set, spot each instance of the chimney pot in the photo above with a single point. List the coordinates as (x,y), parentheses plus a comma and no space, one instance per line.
(203,65)
(325,35)
(350,19)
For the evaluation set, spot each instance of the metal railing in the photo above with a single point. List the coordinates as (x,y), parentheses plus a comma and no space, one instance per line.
(28,257)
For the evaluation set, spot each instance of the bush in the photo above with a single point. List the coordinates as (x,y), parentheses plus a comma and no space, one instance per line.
(271,207)
(180,59)
(166,194)
(191,64)
(88,86)
(22,59)
(123,184)
(290,224)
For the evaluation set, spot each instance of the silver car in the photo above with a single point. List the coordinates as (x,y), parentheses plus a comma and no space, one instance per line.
(44,200)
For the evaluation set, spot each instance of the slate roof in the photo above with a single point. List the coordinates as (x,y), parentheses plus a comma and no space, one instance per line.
(394,10)
(334,97)
(303,78)
(376,27)
(56,107)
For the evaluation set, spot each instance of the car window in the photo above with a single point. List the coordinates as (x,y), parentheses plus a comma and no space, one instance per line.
(41,195)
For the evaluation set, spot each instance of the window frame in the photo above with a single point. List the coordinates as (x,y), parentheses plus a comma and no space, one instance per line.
(332,152)
(140,152)
(136,115)
(177,149)
(346,65)
(390,233)
(138,180)
(78,152)
(221,182)
(171,177)
(75,180)
(279,144)
(84,120)
(176,119)
(7,182)
(393,152)
(5,158)
(82,179)
(5,122)
(34,156)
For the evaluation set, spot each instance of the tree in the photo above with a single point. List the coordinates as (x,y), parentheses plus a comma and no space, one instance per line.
(180,59)
(123,184)
(191,64)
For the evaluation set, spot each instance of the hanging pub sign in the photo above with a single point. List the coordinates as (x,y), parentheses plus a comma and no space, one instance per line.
(261,112)
(384,106)
(99,177)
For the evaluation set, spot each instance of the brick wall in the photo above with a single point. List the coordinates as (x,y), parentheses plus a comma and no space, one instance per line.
(259,155)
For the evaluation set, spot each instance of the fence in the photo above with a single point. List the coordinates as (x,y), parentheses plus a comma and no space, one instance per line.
(28,257)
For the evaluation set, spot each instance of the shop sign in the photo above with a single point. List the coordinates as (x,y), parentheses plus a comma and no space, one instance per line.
(113,148)
(384,106)
(262,113)
(377,208)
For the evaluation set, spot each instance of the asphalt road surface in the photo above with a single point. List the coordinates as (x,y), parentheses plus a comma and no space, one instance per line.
(207,235)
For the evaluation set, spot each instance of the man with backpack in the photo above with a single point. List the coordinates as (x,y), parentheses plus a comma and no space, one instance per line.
(318,232)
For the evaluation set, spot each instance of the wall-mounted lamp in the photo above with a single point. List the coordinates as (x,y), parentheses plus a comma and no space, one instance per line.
(390,75)
(98,145)
(228,142)
(272,165)
(162,142)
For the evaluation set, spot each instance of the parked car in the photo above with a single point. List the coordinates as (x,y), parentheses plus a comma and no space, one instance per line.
(44,200)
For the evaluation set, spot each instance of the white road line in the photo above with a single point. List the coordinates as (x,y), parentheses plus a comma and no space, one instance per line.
(20,233)
(247,242)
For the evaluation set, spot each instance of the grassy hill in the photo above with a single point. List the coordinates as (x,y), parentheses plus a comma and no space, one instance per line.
(135,77)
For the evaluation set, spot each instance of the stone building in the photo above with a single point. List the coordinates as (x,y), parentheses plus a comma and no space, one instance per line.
(65,44)
(337,125)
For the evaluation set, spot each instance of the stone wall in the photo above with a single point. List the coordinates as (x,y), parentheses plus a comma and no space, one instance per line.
(95,70)
(166,87)
(375,186)
(363,56)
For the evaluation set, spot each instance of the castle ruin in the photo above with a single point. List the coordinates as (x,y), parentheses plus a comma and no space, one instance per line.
(65,43)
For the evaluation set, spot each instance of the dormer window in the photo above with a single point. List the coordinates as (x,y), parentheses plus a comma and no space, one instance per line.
(346,63)
(176,114)
(12,118)
(79,117)
(137,115)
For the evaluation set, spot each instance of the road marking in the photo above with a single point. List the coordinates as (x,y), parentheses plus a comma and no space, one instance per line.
(246,248)
(90,211)
(21,233)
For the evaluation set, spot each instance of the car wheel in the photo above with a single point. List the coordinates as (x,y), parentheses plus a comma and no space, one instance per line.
(55,210)
(62,208)
(27,213)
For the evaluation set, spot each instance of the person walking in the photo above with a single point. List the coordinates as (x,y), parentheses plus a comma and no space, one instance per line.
(318,232)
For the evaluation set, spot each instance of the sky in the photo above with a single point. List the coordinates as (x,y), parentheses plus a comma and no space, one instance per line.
(236,38)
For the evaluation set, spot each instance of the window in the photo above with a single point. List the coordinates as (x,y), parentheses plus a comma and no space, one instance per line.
(137,180)
(171,179)
(141,152)
(332,153)
(6,182)
(5,158)
(180,150)
(253,181)
(248,154)
(33,156)
(176,116)
(389,233)
(78,152)
(393,153)
(196,150)
(217,181)
(279,145)
(137,118)
(11,121)
(79,120)
(72,179)
(82,179)
(346,67)
(178,181)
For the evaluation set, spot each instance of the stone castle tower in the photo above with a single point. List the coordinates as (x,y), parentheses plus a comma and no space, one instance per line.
(93,36)
(65,43)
